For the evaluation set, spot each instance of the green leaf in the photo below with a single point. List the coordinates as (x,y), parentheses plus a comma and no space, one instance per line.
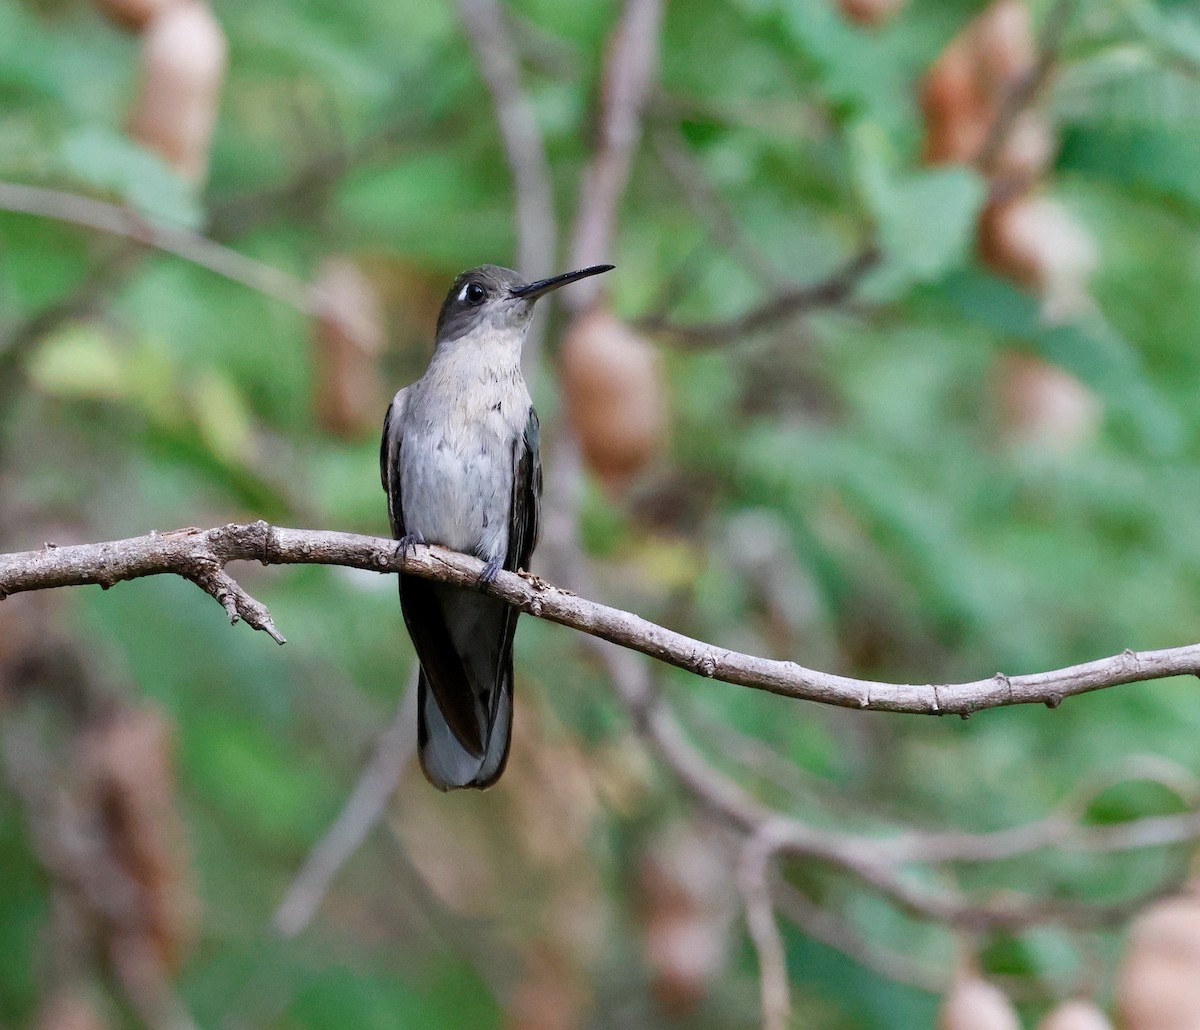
(925,220)
(80,361)
(109,161)
(1158,159)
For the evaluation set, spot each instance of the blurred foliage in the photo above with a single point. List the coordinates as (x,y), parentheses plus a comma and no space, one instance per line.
(854,490)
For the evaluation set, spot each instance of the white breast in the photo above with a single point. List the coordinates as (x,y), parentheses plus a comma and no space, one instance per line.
(456,461)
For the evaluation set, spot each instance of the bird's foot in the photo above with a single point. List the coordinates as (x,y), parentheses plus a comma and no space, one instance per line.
(488,575)
(408,543)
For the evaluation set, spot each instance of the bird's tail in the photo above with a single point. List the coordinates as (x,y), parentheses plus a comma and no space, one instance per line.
(446,763)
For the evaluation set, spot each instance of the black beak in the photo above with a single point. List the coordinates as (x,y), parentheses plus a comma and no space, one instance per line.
(531,291)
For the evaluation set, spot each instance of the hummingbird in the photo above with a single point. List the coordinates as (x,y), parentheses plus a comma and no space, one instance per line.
(461,468)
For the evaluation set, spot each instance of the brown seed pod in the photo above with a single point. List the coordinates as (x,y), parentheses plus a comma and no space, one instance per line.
(1076,1014)
(1042,406)
(1029,147)
(957,113)
(347,340)
(687,910)
(975,1004)
(550,994)
(1158,986)
(616,396)
(182,67)
(1004,47)
(71,1010)
(132,14)
(967,85)
(127,768)
(870,12)
(1038,243)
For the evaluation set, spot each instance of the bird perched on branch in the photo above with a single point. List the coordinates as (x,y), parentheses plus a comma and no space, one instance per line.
(460,465)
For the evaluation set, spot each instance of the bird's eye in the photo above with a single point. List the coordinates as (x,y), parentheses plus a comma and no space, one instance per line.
(474,293)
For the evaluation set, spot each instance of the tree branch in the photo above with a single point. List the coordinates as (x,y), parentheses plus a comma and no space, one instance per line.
(753,877)
(201,556)
(824,925)
(629,70)
(537,230)
(124,222)
(363,810)
(829,292)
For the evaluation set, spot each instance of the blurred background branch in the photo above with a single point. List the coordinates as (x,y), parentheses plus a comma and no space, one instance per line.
(533,189)
(119,221)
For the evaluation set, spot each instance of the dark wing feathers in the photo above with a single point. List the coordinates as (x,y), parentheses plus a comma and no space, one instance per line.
(523,528)
(389,459)
(525,521)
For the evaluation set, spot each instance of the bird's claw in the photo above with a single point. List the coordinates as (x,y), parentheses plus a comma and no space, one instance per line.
(488,575)
(408,544)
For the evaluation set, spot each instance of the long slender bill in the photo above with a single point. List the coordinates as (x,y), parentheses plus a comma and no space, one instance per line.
(531,291)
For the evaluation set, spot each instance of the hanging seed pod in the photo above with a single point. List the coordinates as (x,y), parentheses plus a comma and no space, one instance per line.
(1029,147)
(975,1004)
(182,67)
(1042,406)
(967,86)
(871,13)
(347,340)
(550,994)
(132,14)
(127,767)
(1038,243)
(688,912)
(1005,47)
(1076,1014)
(957,113)
(616,396)
(1158,986)
(71,1009)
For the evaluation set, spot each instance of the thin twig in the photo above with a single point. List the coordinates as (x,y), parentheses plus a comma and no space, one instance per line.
(1063,829)
(753,879)
(829,292)
(117,220)
(829,928)
(361,813)
(1026,89)
(707,203)
(537,230)
(629,71)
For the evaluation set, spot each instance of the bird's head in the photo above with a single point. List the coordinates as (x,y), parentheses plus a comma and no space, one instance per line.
(491,297)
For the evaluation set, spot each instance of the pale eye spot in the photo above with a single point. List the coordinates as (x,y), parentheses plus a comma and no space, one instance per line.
(473,294)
